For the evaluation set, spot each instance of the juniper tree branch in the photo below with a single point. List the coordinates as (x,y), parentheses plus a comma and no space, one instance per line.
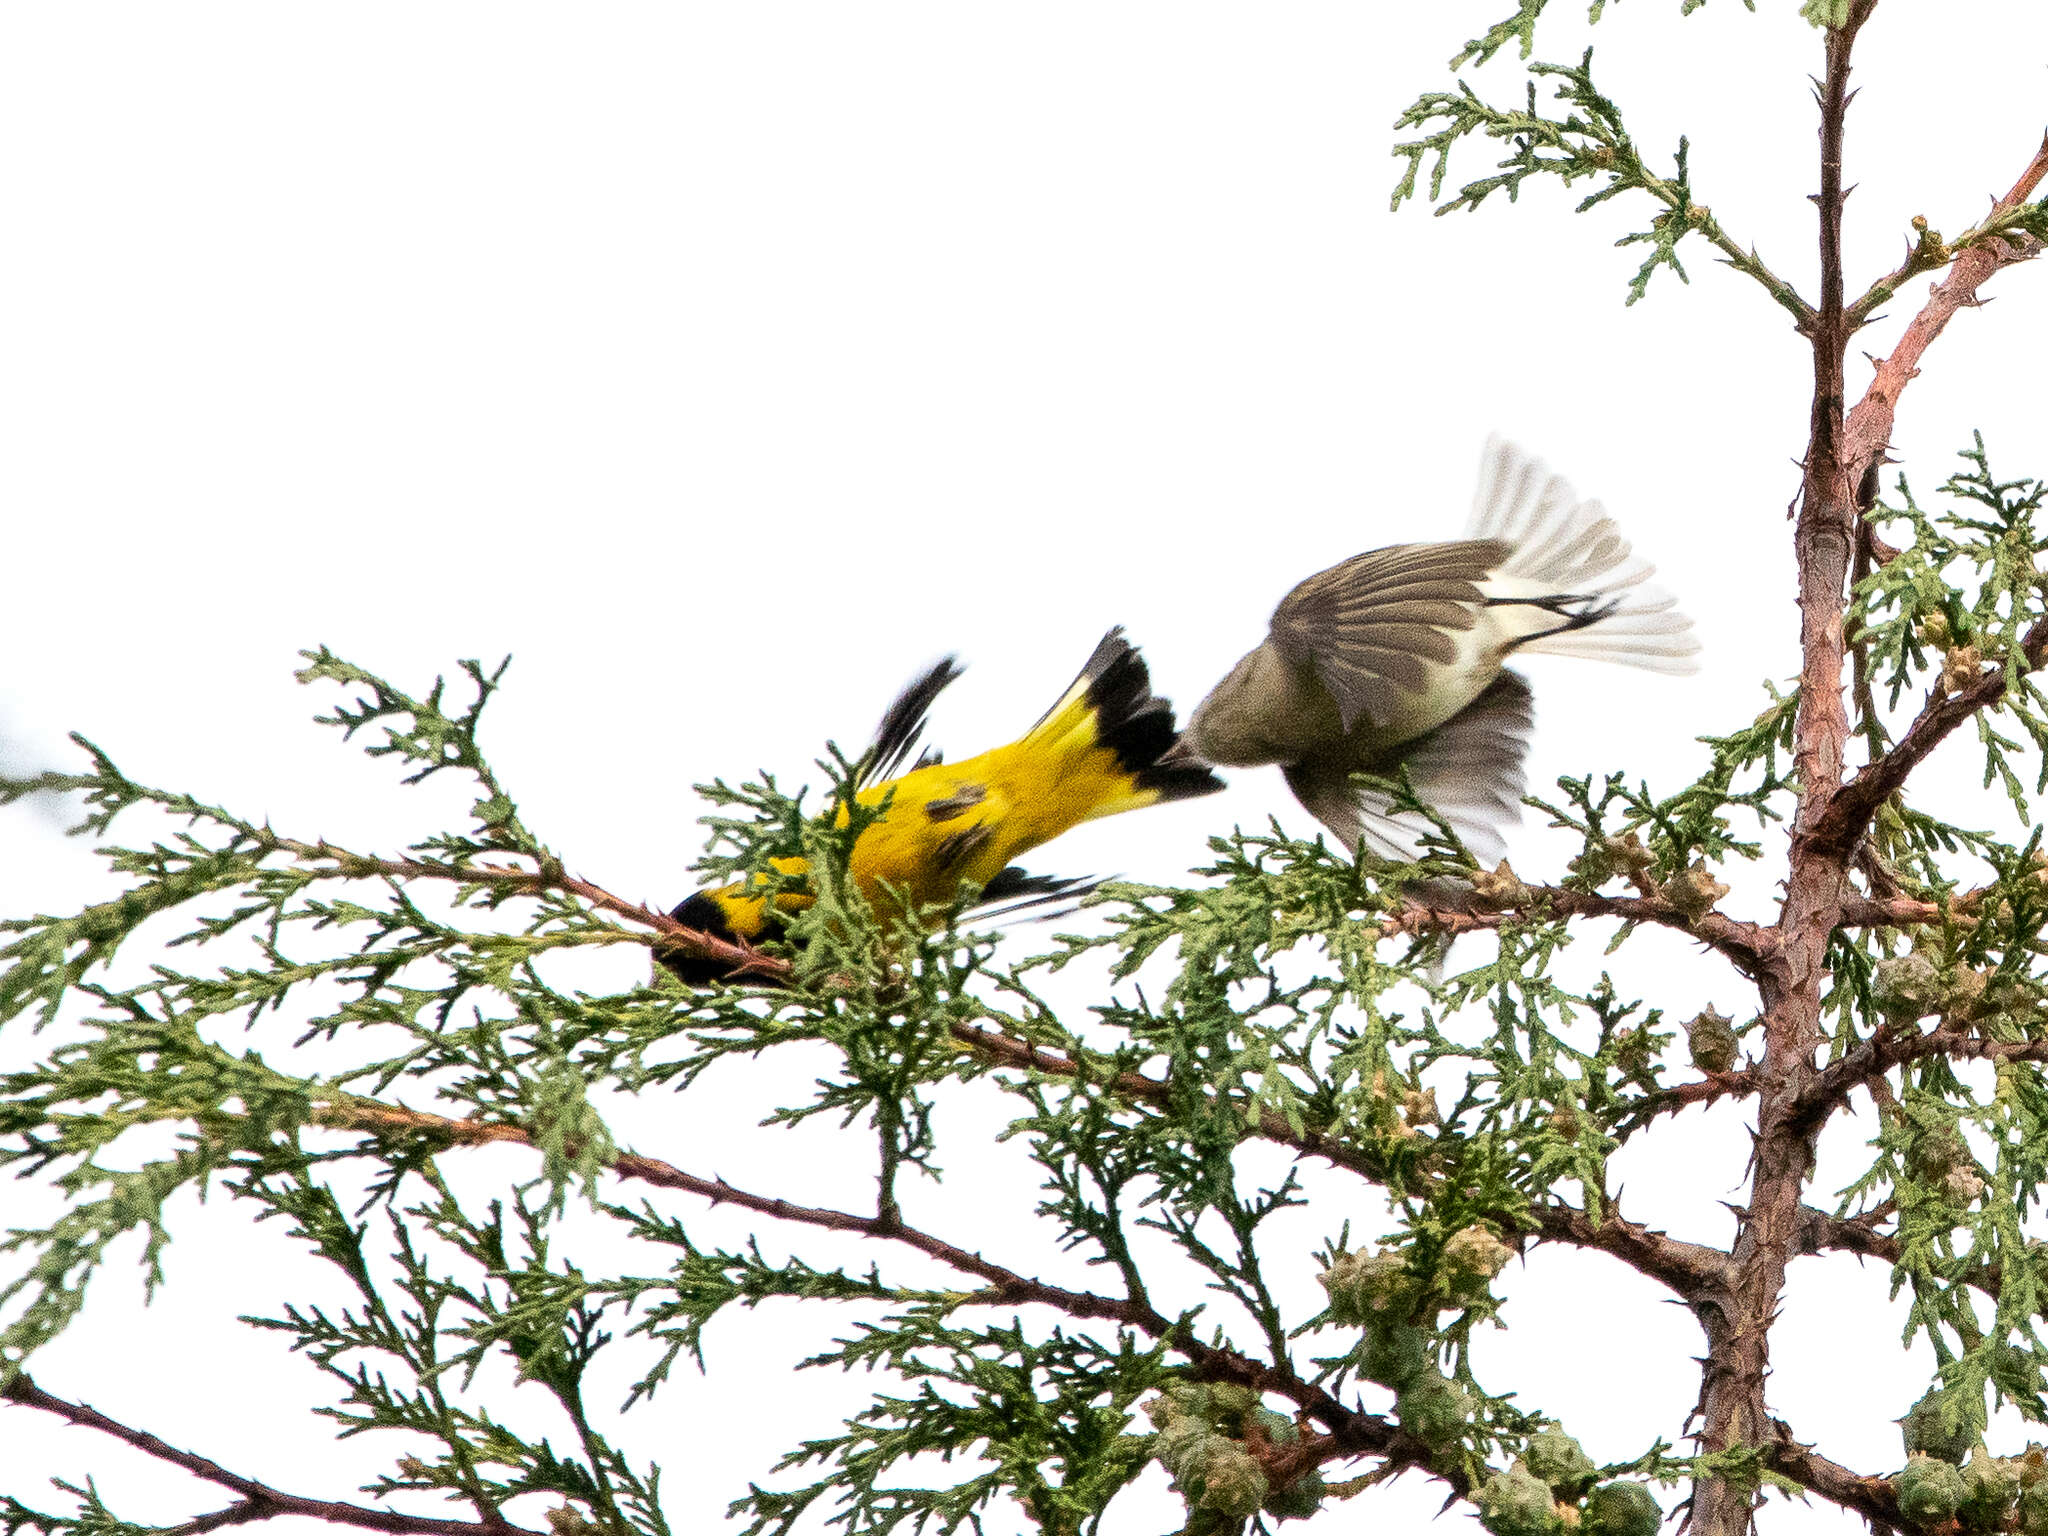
(1003,1285)
(1732,1411)
(1352,1432)
(259,1501)
(1829,1088)
(1748,945)
(1869,426)
(1849,813)
(1823,1233)
(1859,1235)
(1714,1086)
(1689,1270)
(1870,1497)
(1929,252)
(548,876)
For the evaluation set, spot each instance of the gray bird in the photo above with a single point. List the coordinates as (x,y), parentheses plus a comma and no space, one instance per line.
(1395,659)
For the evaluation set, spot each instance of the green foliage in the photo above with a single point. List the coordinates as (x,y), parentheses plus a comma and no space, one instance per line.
(443,959)
(1261,1003)
(1584,141)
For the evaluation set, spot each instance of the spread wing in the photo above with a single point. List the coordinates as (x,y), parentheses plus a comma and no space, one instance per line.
(1469,769)
(1378,620)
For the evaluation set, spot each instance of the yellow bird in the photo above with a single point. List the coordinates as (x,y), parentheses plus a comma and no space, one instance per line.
(1095,753)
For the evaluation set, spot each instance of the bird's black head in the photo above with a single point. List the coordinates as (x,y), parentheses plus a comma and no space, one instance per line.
(703,913)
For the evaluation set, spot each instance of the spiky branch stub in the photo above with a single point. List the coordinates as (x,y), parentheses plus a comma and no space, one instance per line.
(1288,999)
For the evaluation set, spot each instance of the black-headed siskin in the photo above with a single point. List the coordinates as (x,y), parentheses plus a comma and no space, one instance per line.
(1105,747)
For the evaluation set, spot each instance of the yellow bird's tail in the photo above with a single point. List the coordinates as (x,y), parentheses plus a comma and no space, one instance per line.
(1111,707)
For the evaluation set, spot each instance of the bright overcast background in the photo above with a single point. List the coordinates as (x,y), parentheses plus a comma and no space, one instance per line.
(728,364)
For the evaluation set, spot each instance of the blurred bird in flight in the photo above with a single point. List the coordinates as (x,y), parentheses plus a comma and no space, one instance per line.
(1102,749)
(1394,659)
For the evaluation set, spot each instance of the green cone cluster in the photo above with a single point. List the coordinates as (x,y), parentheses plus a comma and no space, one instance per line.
(1981,1496)
(2034,1510)
(1905,988)
(1378,1290)
(1991,1485)
(1205,1443)
(1393,1354)
(1561,1462)
(1551,1492)
(1517,1503)
(1695,891)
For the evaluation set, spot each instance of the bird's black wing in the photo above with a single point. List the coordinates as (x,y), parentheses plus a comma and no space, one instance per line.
(896,737)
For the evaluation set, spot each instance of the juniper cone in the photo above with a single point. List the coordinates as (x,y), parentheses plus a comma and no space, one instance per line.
(1621,1509)
(2033,1510)
(1517,1503)
(1944,1425)
(1393,1354)
(1711,1038)
(1433,1408)
(1227,1480)
(1471,1259)
(1366,1286)
(1560,1461)
(1929,1491)
(1906,987)
(1990,1485)
(1299,1499)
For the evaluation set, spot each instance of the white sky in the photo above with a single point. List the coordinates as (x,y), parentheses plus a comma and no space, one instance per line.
(727,364)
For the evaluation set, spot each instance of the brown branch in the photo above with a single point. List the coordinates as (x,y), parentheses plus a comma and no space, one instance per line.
(1870,1497)
(1859,1235)
(1748,945)
(1694,1271)
(1737,1084)
(1351,1432)
(1850,811)
(1891,1048)
(669,935)
(1003,1286)
(259,1501)
(1688,1269)
(1821,1233)
(1732,1410)
(1870,424)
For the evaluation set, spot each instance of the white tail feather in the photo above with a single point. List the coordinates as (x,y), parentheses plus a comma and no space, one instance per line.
(1563,547)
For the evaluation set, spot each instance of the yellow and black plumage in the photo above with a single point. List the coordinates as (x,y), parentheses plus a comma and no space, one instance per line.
(1096,752)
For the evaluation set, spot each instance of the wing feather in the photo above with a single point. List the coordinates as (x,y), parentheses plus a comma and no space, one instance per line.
(1374,622)
(1469,769)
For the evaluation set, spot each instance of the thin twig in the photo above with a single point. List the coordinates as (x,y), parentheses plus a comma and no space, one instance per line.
(1871,1497)
(1352,1432)
(1849,813)
(259,1501)
(1869,426)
